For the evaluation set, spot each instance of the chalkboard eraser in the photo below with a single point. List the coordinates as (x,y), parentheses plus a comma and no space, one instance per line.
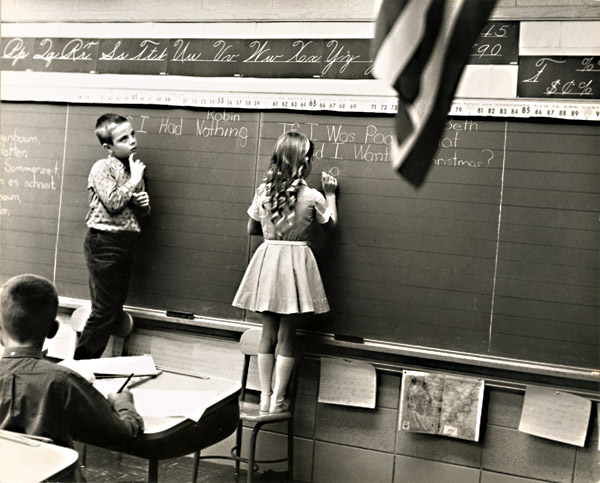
(180,315)
(349,338)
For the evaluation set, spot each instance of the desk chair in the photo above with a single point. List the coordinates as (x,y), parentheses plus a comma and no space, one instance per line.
(250,414)
(33,458)
(62,345)
(120,332)
(119,335)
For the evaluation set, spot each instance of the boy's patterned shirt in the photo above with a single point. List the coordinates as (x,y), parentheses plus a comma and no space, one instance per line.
(109,195)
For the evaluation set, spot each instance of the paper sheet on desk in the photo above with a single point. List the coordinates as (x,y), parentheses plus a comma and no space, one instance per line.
(115,366)
(156,403)
(108,385)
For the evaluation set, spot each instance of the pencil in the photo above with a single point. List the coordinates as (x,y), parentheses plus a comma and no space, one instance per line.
(125,383)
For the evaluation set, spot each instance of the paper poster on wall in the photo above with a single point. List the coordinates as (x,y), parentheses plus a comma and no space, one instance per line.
(555,415)
(439,404)
(347,382)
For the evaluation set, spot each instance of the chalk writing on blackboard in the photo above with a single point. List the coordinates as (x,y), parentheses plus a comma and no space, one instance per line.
(74,50)
(449,153)
(133,56)
(50,54)
(372,143)
(147,50)
(210,124)
(368,143)
(300,58)
(22,173)
(496,44)
(559,77)
(183,51)
(15,50)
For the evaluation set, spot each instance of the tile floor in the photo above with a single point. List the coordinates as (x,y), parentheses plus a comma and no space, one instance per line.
(104,466)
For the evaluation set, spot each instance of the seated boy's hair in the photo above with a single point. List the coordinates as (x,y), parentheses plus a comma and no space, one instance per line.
(28,307)
(105,124)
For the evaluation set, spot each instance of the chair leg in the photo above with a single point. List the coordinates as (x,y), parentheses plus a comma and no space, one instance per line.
(83,454)
(238,447)
(196,463)
(251,451)
(153,471)
(290,448)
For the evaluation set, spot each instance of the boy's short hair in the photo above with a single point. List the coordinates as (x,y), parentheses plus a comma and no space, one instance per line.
(28,307)
(105,125)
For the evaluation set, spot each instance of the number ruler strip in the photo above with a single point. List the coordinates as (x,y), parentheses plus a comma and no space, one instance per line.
(567,109)
(519,108)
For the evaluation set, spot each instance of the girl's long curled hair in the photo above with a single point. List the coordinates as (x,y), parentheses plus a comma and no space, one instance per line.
(288,164)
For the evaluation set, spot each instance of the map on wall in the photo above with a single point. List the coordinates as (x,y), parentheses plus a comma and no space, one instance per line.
(439,404)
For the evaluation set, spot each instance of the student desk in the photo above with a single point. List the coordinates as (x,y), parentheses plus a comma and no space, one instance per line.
(29,460)
(170,437)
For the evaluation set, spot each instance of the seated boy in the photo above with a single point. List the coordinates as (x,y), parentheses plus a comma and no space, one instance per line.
(41,398)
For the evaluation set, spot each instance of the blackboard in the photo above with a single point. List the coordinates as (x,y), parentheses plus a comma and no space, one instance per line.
(298,58)
(497,43)
(334,58)
(559,77)
(496,254)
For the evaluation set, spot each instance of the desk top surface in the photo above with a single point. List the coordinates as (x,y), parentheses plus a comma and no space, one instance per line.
(183,413)
(33,461)
(171,398)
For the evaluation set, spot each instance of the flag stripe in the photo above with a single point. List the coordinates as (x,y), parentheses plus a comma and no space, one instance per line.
(422,57)
(386,17)
(423,105)
(401,42)
(470,17)
(409,83)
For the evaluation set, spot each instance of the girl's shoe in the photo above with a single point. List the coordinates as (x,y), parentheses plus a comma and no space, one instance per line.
(278,405)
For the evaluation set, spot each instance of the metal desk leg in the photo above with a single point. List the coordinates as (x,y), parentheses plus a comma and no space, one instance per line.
(153,471)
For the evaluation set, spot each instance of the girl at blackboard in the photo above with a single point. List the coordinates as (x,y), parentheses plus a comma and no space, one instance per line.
(283,278)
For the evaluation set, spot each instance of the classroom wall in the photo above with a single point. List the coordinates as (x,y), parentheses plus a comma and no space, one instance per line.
(336,443)
(355,445)
(259,10)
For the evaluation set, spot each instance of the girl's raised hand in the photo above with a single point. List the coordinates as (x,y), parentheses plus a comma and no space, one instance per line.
(329,183)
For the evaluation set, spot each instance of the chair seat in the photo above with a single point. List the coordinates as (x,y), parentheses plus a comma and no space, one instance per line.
(250,411)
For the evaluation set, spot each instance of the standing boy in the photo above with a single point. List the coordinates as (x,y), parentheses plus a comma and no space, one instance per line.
(38,397)
(118,201)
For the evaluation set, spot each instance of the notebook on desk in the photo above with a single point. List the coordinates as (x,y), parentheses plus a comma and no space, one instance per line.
(139,366)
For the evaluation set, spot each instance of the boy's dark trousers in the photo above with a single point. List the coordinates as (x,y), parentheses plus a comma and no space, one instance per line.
(109,257)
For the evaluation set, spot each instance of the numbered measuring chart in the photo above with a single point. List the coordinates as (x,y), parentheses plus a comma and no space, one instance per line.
(583,111)
(515,108)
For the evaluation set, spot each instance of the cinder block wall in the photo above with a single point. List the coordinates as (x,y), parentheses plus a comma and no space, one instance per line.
(354,445)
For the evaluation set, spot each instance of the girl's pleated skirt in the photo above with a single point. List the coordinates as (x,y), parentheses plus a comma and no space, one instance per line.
(282,277)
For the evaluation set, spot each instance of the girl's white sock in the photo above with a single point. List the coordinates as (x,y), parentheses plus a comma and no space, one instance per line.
(265,374)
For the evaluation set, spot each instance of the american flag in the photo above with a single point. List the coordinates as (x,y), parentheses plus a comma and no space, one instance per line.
(421,47)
